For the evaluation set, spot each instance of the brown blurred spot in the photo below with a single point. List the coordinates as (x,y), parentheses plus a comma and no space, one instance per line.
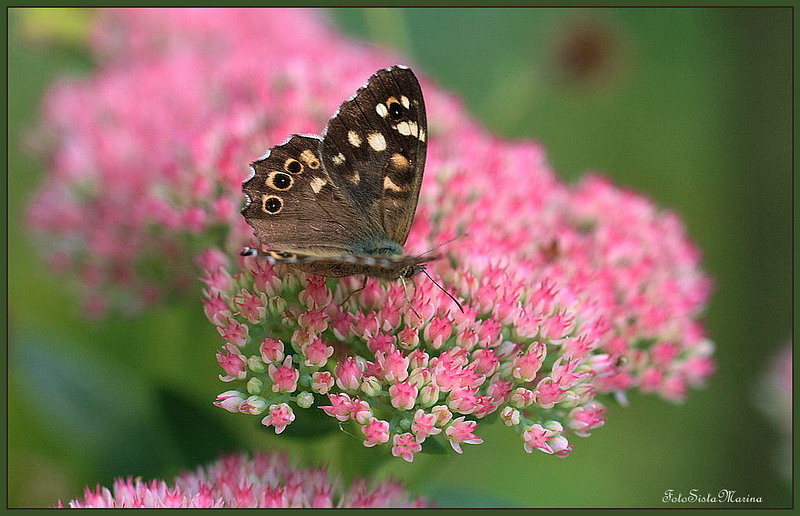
(588,51)
(550,251)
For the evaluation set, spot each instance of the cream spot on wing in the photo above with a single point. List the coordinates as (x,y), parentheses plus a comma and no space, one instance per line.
(317,183)
(310,159)
(399,161)
(381,109)
(422,135)
(404,101)
(354,138)
(338,159)
(377,141)
(407,128)
(356,177)
(388,184)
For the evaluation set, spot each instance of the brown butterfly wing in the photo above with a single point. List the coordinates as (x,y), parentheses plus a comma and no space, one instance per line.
(293,205)
(374,149)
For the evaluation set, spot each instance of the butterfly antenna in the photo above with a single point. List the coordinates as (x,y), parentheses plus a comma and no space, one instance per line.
(437,246)
(443,290)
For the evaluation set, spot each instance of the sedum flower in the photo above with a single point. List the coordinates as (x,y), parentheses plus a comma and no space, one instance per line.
(279,416)
(544,342)
(573,295)
(405,446)
(239,481)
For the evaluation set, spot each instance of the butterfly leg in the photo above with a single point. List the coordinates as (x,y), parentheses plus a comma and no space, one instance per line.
(408,300)
(363,286)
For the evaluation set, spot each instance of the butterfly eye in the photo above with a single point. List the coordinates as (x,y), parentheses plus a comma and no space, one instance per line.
(271,204)
(293,166)
(396,111)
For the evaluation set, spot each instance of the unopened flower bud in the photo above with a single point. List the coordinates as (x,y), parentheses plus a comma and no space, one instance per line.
(370,386)
(305,399)
(254,385)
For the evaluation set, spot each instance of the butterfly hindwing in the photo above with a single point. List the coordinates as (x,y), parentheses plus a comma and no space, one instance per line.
(374,150)
(293,204)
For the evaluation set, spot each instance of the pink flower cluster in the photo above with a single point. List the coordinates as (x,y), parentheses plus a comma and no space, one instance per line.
(238,481)
(573,295)
(149,151)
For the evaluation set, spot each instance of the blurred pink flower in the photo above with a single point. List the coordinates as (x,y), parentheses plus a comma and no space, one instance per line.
(238,481)
(573,294)
(773,396)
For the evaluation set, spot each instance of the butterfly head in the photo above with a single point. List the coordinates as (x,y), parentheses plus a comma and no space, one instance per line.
(412,270)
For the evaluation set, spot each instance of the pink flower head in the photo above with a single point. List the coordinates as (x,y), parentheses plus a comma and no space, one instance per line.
(548,393)
(376,432)
(271,351)
(317,353)
(586,418)
(409,337)
(438,331)
(234,332)
(315,321)
(238,481)
(348,374)
(233,363)
(394,365)
(405,446)
(424,425)
(560,446)
(251,306)
(322,382)
(360,411)
(403,395)
(463,400)
(316,293)
(527,364)
(285,377)
(217,311)
(535,437)
(279,416)
(460,432)
(340,406)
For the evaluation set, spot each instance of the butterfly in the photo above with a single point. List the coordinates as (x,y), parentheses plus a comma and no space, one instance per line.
(343,204)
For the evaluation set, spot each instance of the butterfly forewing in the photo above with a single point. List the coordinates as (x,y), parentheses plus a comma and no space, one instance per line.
(293,204)
(374,150)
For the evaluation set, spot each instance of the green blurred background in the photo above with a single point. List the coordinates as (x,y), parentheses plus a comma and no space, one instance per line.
(691,107)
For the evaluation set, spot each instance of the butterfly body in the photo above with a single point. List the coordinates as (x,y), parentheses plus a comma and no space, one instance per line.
(342,204)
